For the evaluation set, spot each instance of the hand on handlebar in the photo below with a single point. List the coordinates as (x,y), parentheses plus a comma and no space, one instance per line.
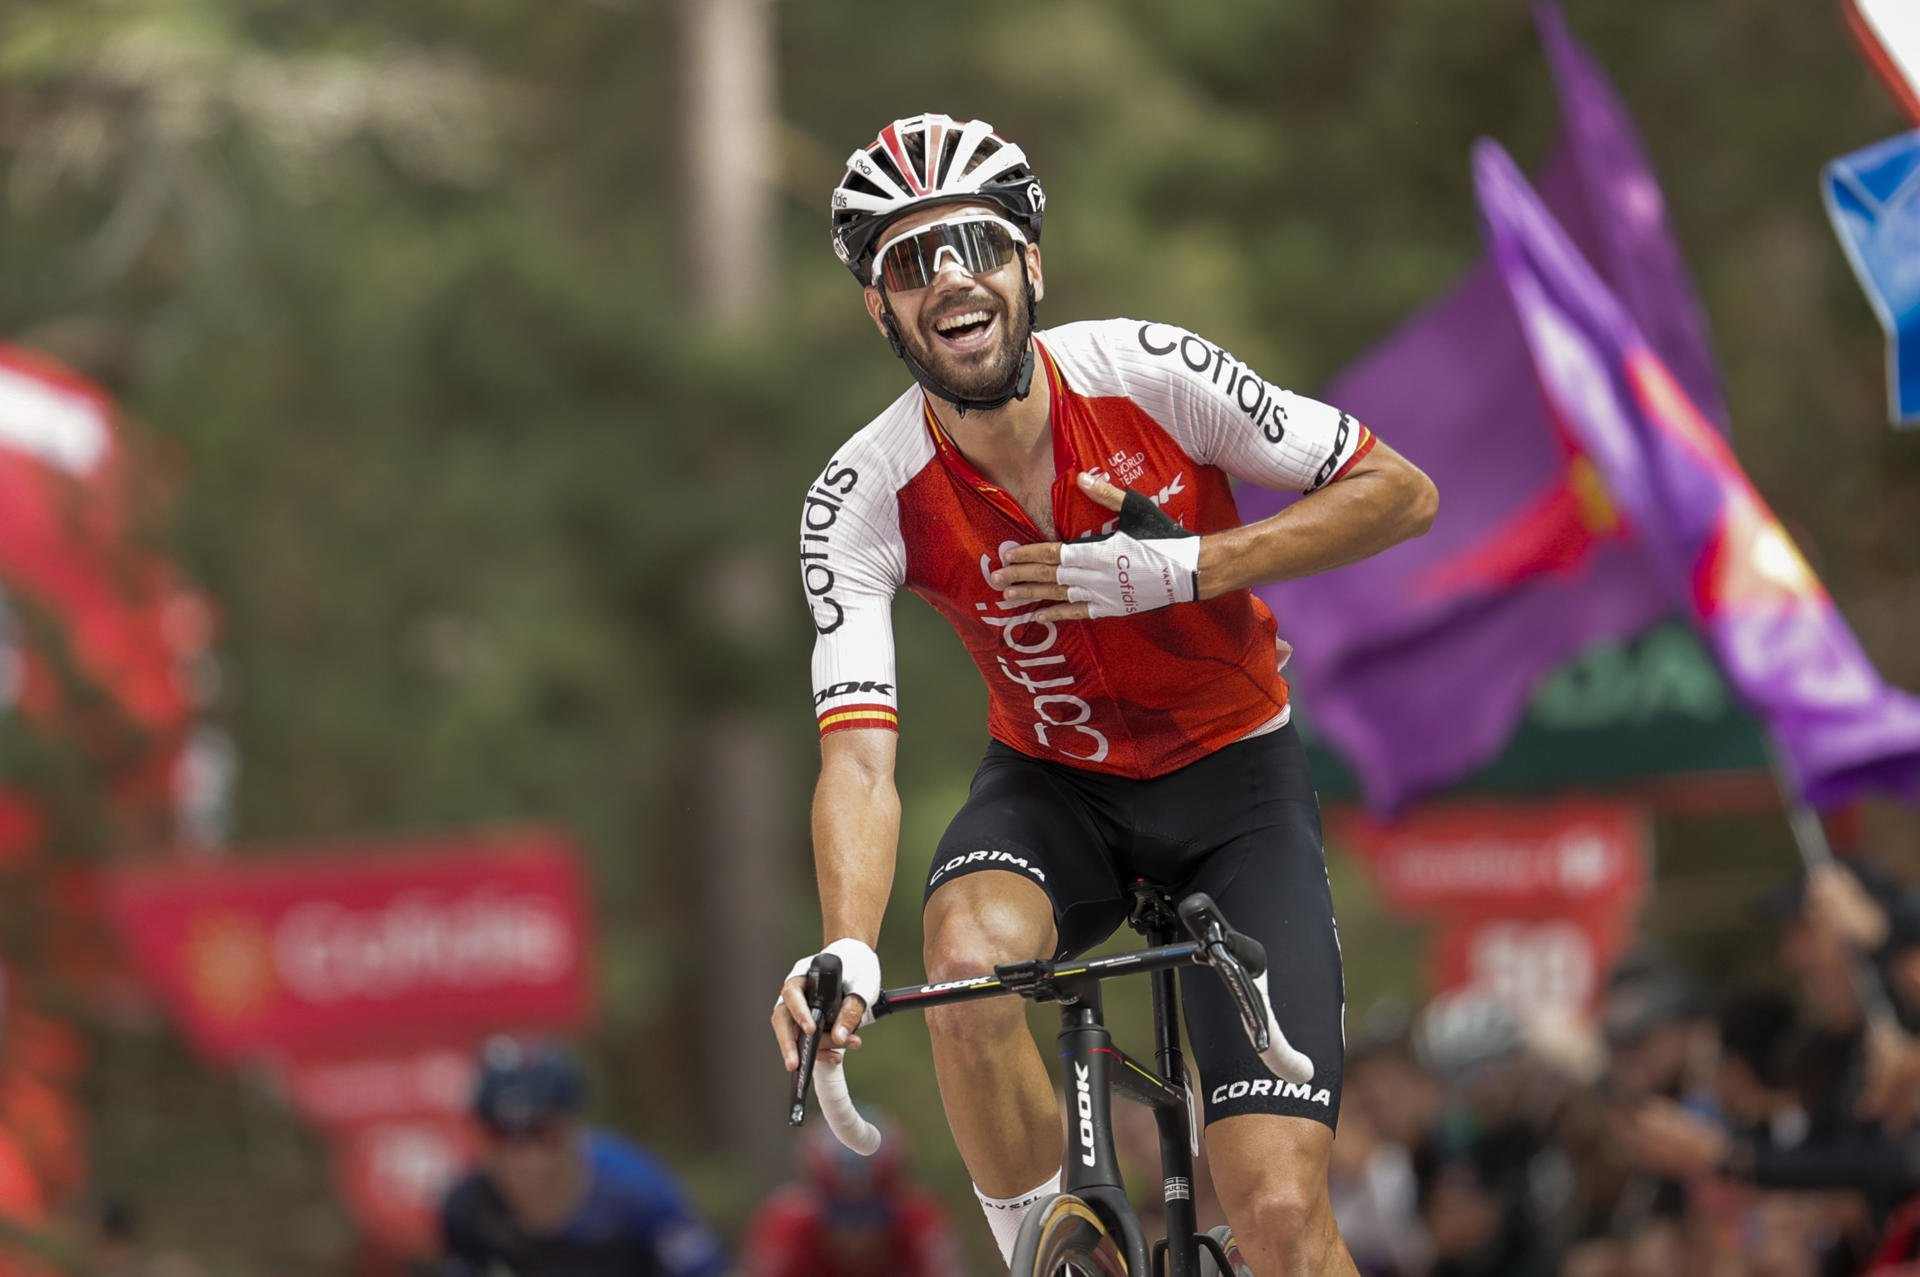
(793,1019)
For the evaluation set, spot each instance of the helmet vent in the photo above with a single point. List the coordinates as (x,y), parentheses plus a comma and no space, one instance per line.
(855,182)
(884,162)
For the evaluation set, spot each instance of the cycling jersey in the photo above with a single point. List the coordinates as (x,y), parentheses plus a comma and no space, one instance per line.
(1149,406)
(794,1234)
(633,1222)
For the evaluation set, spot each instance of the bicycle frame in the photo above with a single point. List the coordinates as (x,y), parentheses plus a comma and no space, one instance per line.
(1096,1068)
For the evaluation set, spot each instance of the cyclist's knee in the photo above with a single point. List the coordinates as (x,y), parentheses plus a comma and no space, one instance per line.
(1283,1216)
(1271,1174)
(973,924)
(1276,1206)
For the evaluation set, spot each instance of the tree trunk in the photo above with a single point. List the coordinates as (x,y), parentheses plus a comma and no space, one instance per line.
(750,839)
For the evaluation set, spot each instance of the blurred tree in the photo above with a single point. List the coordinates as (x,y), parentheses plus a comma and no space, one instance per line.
(403,285)
(749,846)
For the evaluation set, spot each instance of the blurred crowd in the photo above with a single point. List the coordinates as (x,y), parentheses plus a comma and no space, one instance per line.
(1762,1124)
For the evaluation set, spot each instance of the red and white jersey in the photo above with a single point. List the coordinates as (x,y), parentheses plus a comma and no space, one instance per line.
(1155,409)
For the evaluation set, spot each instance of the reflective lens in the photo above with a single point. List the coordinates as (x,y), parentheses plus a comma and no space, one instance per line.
(977,245)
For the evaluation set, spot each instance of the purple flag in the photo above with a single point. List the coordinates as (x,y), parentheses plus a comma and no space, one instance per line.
(1628,236)
(1418,663)
(1718,551)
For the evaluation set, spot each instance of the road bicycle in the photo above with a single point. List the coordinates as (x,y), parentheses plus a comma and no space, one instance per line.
(1090,1229)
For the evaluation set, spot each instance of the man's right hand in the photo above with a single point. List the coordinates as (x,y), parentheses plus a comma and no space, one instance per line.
(793,1018)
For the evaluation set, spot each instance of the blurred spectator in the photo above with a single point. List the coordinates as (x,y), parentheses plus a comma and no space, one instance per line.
(552,1198)
(1657,1036)
(1374,1198)
(1812,1100)
(1389,1105)
(851,1216)
(1475,1203)
(1478,1168)
(1867,914)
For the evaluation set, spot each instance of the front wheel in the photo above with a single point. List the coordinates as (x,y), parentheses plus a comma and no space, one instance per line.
(1236,1263)
(1063,1237)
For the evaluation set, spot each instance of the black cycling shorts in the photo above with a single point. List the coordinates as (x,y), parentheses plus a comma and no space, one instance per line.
(1242,825)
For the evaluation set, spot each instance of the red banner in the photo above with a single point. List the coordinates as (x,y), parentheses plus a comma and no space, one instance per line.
(1535,900)
(399,1133)
(369,946)
(393,1173)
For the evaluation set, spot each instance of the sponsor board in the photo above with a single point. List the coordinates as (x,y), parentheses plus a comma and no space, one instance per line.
(371,946)
(1534,900)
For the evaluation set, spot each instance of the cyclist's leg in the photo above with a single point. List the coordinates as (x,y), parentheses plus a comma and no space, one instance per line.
(1018,875)
(1271,1174)
(998,1095)
(1268,1141)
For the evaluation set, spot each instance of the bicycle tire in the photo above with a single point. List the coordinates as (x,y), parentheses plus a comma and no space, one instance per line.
(1064,1235)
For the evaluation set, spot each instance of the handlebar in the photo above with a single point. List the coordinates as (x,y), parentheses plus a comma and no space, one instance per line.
(836,1105)
(1241,963)
(823,1000)
(827,1076)
(1238,959)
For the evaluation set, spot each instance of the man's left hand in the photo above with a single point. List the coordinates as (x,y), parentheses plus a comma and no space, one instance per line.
(1148,562)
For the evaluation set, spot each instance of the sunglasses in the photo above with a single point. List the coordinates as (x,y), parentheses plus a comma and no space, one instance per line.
(977,243)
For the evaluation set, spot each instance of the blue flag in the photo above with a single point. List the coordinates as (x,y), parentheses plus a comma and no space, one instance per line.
(1873,197)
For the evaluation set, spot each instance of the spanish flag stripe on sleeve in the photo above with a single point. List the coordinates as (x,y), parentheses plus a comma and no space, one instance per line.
(1362,449)
(842,717)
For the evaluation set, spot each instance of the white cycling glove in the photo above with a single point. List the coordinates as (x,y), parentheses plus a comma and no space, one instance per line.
(859,972)
(1148,562)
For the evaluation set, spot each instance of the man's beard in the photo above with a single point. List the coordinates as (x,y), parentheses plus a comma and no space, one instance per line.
(984,376)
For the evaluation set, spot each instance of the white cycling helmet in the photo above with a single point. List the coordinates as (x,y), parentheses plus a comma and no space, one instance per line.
(925,160)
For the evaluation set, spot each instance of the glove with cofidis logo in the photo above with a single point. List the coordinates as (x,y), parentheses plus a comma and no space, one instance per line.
(1148,561)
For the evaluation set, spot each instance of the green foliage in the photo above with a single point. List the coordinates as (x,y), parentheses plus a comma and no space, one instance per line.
(397,281)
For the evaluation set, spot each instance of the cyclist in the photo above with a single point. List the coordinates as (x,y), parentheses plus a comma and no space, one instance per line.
(553,1197)
(850,1216)
(1062,498)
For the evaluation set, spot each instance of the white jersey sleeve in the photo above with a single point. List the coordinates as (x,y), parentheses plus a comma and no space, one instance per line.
(1225,414)
(852,561)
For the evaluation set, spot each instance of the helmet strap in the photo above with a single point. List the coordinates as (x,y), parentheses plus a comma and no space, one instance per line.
(1019,382)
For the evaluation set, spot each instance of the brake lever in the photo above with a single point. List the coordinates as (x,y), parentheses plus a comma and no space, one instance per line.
(823,1002)
(1245,995)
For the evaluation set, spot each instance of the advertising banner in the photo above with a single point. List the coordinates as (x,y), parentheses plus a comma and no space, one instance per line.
(363,978)
(1535,900)
(393,1173)
(369,946)
(398,1130)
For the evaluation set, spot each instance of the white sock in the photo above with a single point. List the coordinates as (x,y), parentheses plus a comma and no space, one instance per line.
(1006,1214)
